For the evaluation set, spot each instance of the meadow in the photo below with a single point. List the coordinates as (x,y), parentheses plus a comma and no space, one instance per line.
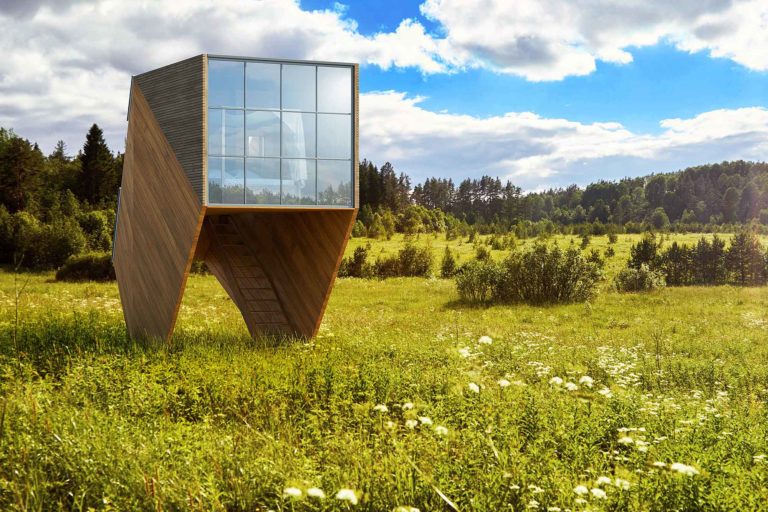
(408,399)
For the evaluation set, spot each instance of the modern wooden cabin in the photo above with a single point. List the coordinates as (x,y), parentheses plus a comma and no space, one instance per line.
(249,165)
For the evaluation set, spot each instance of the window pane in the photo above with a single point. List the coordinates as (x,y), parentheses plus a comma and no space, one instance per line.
(298,181)
(225,132)
(334,182)
(263,133)
(298,135)
(334,89)
(334,136)
(298,87)
(215,165)
(233,183)
(262,85)
(262,181)
(225,83)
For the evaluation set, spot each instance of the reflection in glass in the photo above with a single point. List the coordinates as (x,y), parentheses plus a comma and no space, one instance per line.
(334,136)
(225,83)
(298,87)
(233,183)
(298,181)
(334,182)
(214,179)
(262,133)
(262,85)
(298,135)
(334,89)
(225,132)
(262,181)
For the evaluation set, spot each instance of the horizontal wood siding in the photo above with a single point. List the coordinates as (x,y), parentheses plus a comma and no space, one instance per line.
(175,95)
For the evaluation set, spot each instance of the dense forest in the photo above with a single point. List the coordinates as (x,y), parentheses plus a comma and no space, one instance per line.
(57,205)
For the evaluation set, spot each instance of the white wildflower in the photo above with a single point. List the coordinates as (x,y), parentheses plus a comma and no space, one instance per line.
(598,493)
(347,495)
(390,424)
(465,352)
(622,484)
(580,501)
(411,424)
(660,464)
(556,381)
(603,480)
(626,440)
(407,406)
(381,408)
(504,383)
(684,469)
(441,430)
(759,458)
(474,387)
(292,492)
(535,489)
(586,380)
(485,340)
(581,490)
(533,504)
(570,386)
(405,508)
(316,492)
(607,393)
(553,509)
(425,420)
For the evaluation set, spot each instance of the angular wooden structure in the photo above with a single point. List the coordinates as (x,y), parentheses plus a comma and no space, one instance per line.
(249,165)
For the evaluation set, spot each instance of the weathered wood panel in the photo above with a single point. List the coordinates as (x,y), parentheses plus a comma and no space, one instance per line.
(158,225)
(175,93)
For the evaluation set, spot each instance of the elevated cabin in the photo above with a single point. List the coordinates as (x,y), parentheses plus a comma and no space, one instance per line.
(249,165)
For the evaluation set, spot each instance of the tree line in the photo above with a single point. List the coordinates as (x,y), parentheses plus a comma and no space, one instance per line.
(699,198)
(53,206)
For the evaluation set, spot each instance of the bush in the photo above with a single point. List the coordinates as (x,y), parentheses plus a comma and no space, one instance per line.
(613,238)
(482,253)
(547,275)
(58,241)
(87,267)
(610,252)
(541,276)
(639,279)
(97,227)
(414,261)
(477,281)
(358,230)
(448,265)
(357,265)
(411,261)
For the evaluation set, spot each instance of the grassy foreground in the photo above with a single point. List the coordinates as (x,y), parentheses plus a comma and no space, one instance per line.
(675,418)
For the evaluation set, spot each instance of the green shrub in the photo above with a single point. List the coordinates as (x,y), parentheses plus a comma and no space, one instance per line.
(414,261)
(386,266)
(482,253)
(357,265)
(448,265)
(477,281)
(610,252)
(549,275)
(358,230)
(87,267)
(613,238)
(58,241)
(639,279)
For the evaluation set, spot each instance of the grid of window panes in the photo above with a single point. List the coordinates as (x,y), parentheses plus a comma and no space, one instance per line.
(279,133)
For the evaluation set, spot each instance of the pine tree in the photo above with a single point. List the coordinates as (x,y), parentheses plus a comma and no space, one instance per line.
(21,167)
(448,265)
(98,180)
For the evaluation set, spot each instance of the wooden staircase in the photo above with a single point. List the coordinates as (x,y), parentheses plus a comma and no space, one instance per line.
(242,276)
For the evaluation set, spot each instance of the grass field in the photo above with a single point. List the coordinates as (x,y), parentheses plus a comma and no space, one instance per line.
(631,402)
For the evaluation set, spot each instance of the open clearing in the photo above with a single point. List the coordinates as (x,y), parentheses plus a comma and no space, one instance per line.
(650,402)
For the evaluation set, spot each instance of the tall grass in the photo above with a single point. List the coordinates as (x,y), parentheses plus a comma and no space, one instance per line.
(480,406)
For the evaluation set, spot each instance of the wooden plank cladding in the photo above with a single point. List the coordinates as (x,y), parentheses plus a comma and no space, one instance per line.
(158,225)
(175,95)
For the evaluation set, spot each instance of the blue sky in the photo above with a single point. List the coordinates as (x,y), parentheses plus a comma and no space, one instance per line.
(542,92)
(661,82)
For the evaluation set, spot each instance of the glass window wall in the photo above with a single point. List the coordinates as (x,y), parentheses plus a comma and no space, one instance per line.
(279,134)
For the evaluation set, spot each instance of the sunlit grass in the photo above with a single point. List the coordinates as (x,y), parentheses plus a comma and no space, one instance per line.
(631,402)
